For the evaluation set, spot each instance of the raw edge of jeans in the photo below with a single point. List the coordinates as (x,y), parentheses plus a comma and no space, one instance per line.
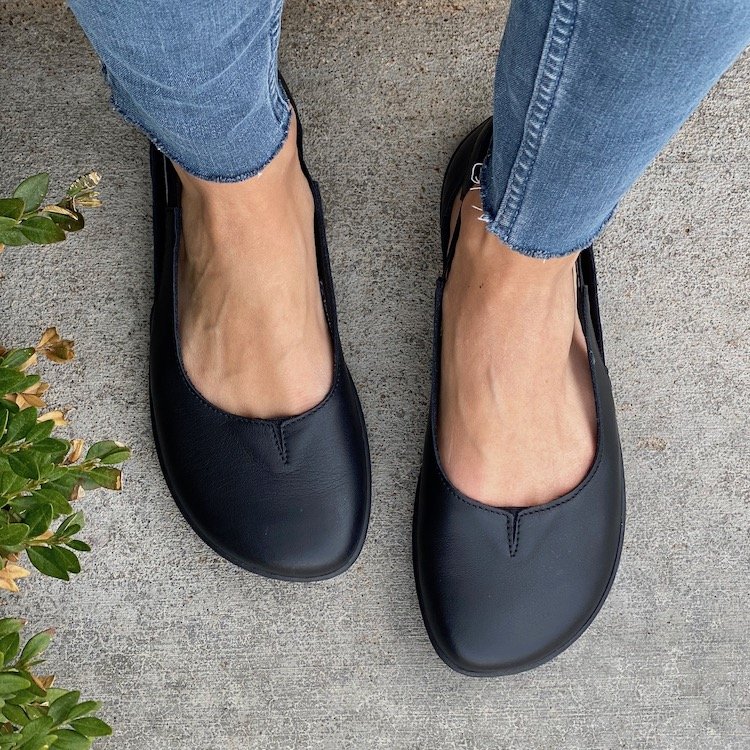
(504,234)
(207,176)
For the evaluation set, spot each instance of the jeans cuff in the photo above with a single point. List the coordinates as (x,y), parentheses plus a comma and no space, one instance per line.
(515,240)
(282,112)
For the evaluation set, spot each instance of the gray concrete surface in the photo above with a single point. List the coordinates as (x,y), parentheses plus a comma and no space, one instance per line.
(187,651)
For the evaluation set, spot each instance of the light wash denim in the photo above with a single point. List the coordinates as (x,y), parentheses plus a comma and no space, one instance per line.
(586,94)
(199,77)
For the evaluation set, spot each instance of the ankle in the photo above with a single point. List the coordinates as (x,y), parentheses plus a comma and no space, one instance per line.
(491,257)
(266,219)
(523,306)
(283,173)
(514,267)
(509,284)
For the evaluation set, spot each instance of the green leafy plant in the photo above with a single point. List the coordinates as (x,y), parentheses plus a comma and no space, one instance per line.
(35,715)
(42,477)
(24,220)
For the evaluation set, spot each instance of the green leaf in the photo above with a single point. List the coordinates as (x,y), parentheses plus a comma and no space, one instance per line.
(56,499)
(41,230)
(59,709)
(39,519)
(102,476)
(75,521)
(32,190)
(35,646)
(68,223)
(40,430)
(34,728)
(86,707)
(13,237)
(54,448)
(24,698)
(9,406)
(91,727)
(12,683)
(11,207)
(13,534)
(33,710)
(54,693)
(67,739)
(78,545)
(45,561)
(10,483)
(67,559)
(63,479)
(20,424)
(9,379)
(108,452)
(16,357)
(35,692)
(57,471)
(10,625)
(30,464)
(15,714)
(39,743)
(27,382)
(9,645)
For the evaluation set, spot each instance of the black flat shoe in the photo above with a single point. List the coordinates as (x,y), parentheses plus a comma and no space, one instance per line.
(285,498)
(504,590)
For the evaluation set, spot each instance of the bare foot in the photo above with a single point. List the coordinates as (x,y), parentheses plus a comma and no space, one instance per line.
(517,421)
(253,332)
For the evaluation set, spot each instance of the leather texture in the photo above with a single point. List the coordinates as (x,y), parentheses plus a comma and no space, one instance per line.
(503,590)
(286,498)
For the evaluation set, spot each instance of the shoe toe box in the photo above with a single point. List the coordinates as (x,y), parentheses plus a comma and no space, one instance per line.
(283,498)
(502,591)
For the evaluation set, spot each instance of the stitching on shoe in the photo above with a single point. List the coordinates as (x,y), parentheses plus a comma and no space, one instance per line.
(472,503)
(516,534)
(278,438)
(502,511)
(508,527)
(282,440)
(554,504)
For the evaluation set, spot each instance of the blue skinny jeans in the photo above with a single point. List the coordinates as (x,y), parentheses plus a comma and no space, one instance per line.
(586,94)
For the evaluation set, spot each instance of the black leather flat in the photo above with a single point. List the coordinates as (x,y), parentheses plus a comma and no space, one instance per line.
(505,590)
(285,498)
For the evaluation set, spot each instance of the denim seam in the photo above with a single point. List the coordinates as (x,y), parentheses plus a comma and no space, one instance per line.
(560,31)
(279,103)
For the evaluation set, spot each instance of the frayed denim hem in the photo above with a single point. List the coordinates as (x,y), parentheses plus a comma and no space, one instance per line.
(207,176)
(504,233)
